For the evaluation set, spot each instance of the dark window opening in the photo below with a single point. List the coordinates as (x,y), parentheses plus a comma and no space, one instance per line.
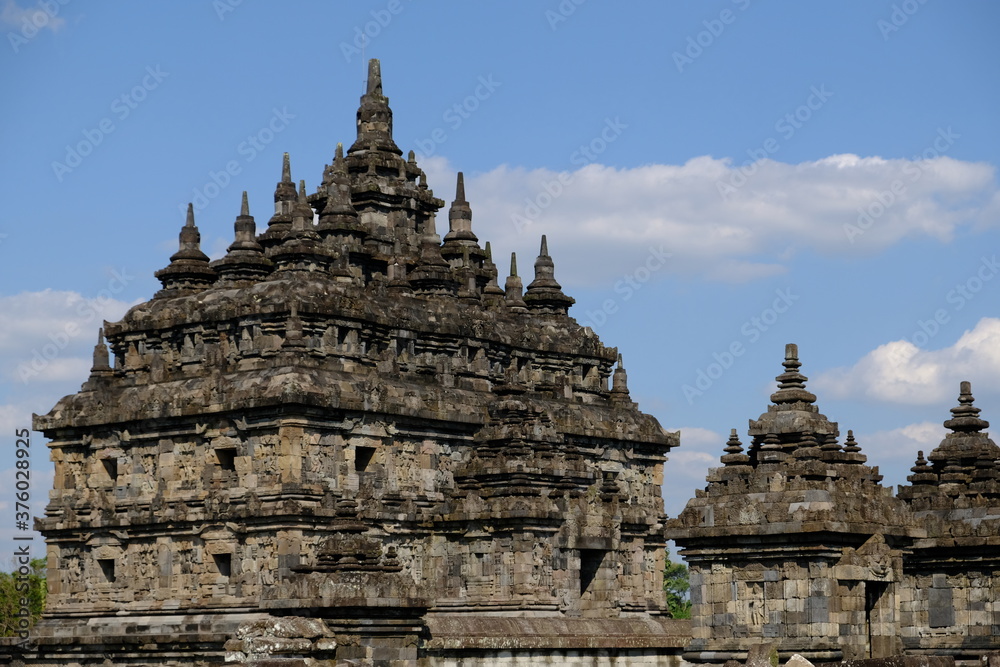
(590,563)
(111,467)
(107,568)
(362,457)
(224,564)
(227,458)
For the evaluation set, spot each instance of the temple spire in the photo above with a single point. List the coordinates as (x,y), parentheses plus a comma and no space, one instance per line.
(244,261)
(286,169)
(374,116)
(734,455)
(792,383)
(460,216)
(619,383)
(514,287)
(302,213)
(460,242)
(338,216)
(955,460)
(793,426)
(102,360)
(285,197)
(492,294)
(374,78)
(301,248)
(965,417)
(188,269)
(432,275)
(544,293)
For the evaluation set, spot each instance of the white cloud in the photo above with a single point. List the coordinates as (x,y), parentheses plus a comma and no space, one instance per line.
(48,336)
(602,221)
(47,339)
(901,372)
(30,18)
(687,466)
(899,446)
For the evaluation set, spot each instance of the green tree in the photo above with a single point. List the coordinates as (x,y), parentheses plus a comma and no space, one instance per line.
(676,586)
(16,586)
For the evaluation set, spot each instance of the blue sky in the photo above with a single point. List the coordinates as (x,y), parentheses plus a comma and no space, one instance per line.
(713,177)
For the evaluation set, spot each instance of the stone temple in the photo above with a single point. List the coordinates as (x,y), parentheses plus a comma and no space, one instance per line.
(795,541)
(344,443)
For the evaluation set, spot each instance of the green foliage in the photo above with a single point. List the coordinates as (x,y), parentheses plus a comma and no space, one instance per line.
(676,586)
(15,587)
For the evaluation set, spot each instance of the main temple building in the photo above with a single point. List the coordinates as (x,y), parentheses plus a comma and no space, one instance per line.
(346,443)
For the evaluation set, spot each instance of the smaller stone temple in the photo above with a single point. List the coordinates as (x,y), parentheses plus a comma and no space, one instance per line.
(795,540)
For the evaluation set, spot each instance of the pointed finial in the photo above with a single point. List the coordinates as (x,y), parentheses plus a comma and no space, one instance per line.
(286,169)
(619,380)
(102,361)
(374,77)
(244,262)
(923,473)
(965,417)
(545,293)
(850,444)
(733,445)
(489,252)
(513,288)
(734,455)
(302,192)
(188,268)
(339,155)
(411,157)
(460,222)
(791,383)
